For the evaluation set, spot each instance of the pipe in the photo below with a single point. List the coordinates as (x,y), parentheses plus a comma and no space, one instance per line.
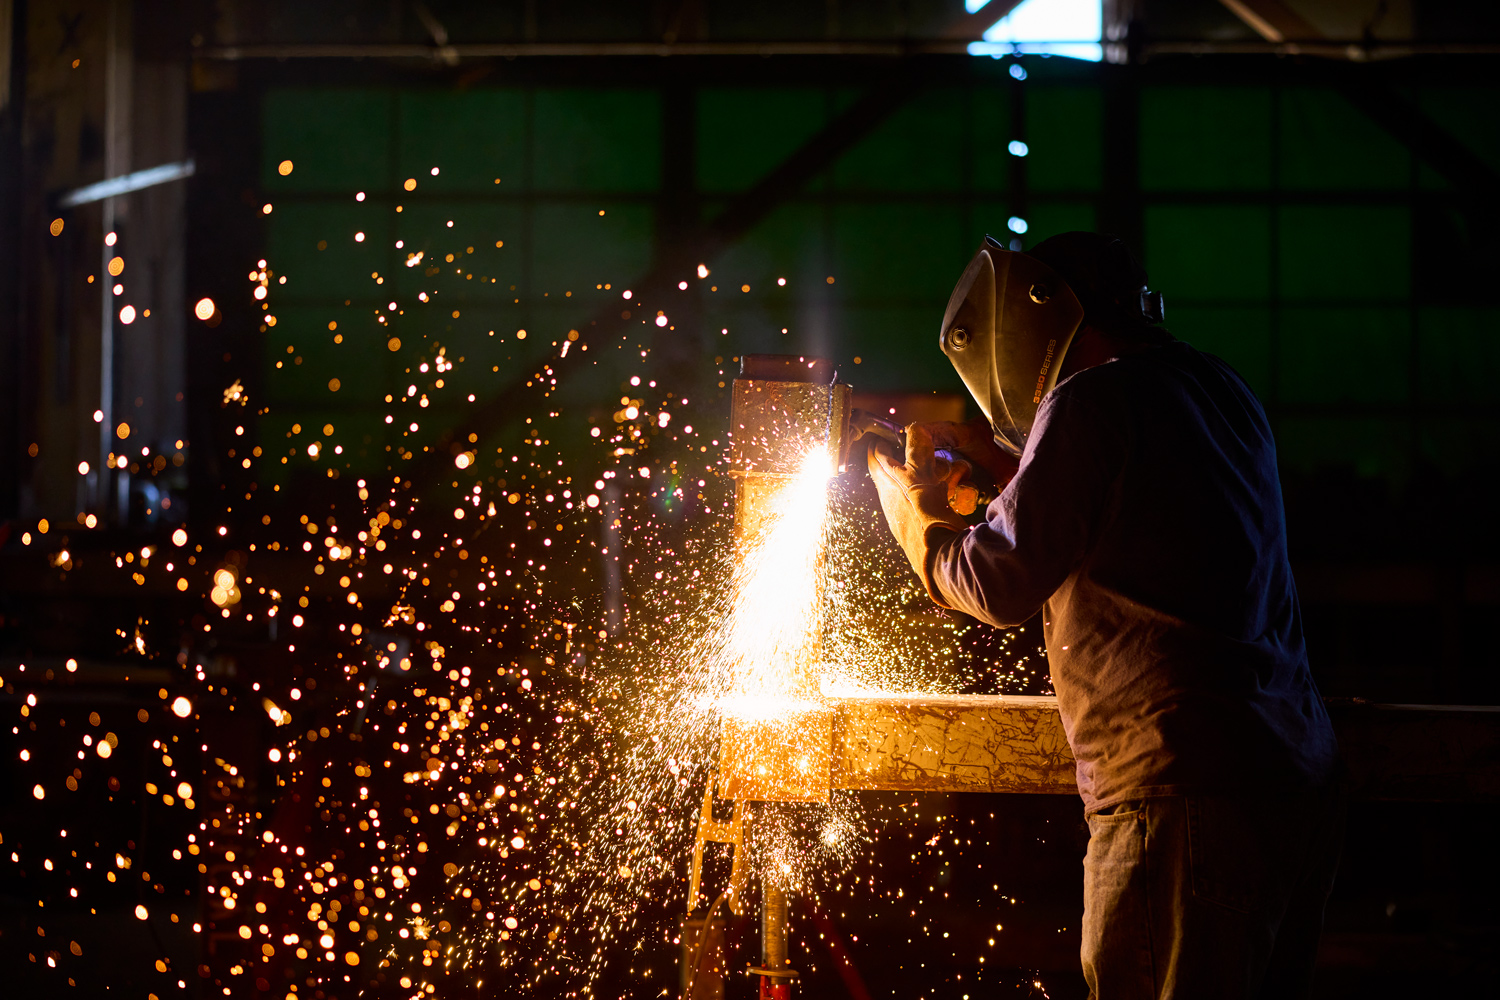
(775,971)
(773,950)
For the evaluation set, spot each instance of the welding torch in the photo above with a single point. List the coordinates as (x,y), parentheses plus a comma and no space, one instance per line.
(967,491)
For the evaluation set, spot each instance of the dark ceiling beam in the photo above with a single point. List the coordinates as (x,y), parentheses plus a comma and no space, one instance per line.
(1285,32)
(1357,50)
(1428,141)
(1360,50)
(1273,20)
(554,50)
(953,40)
(679,262)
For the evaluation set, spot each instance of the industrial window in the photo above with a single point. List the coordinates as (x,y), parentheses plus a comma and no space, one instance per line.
(1071,28)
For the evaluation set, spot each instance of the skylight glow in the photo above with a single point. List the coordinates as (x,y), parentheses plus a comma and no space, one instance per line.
(1070,28)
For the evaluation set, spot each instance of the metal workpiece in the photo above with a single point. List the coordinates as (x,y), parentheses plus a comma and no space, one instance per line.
(756,500)
(783,759)
(951,743)
(1016,744)
(948,743)
(782,407)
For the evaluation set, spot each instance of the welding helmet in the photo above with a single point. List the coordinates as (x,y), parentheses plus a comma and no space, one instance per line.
(1007,329)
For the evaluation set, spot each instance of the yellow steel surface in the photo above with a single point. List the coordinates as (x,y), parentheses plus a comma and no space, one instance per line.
(780,759)
(773,425)
(954,743)
(984,743)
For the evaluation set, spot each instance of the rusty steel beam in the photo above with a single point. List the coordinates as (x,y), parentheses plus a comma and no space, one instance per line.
(1007,743)
(952,743)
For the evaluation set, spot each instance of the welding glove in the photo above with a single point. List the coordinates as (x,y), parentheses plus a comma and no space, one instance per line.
(975,442)
(914,497)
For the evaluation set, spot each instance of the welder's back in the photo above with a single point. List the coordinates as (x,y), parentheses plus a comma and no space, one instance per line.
(1147,520)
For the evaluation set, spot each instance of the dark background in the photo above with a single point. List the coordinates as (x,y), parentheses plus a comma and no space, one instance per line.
(1317,210)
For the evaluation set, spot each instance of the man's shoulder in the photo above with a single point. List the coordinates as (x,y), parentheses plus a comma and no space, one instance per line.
(1123,376)
(1172,362)
(1166,377)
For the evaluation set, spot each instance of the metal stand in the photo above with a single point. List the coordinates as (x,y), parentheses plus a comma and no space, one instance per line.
(776,975)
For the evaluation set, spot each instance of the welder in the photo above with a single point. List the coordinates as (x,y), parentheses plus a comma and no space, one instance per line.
(1142,515)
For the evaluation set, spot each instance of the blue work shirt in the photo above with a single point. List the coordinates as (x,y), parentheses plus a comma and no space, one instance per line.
(1146,522)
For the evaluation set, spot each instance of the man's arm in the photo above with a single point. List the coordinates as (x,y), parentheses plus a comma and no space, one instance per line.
(1043,524)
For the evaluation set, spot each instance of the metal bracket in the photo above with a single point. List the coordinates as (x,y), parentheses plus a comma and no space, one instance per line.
(732,833)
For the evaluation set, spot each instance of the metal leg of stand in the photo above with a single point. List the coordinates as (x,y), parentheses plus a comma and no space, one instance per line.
(776,974)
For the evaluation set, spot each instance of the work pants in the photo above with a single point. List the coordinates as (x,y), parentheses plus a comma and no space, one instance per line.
(1199,897)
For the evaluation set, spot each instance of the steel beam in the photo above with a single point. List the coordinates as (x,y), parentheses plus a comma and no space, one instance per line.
(1008,743)
(955,743)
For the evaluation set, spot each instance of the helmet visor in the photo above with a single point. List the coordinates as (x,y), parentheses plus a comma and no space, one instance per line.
(1008,325)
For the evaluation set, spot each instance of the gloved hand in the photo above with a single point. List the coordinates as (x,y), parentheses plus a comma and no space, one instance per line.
(975,441)
(914,497)
(954,469)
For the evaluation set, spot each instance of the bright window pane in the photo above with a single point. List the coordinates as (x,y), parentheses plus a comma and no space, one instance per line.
(1071,28)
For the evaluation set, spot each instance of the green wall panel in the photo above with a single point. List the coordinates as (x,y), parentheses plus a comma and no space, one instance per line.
(898,349)
(337,139)
(424,227)
(755,328)
(469,337)
(1307,300)
(1064,129)
(596,140)
(344,268)
(574,246)
(743,134)
(918,148)
(789,244)
(1209,252)
(991,133)
(1241,335)
(898,251)
(1461,447)
(305,330)
(1471,115)
(1371,447)
(986,218)
(1337,252)
(473,137)
(1328,144)
(1048,218)
(1205,138)
(1343,355)
(1459,360)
